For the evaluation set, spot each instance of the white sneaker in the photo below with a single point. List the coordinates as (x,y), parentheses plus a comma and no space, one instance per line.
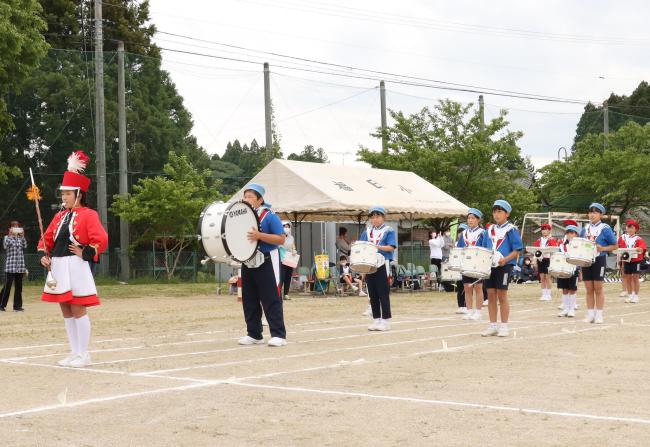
(476,316)
(375,325)
(576,306)
(383,325)
(503,332)
(622,294)
(485,302)
(634,299)
(467,316)
(489,332)
(628,300)
(598,320)
(462,310)
(277,341)
(362,293)
(355,289)
(80,361)
(571,313)
(66,361)
(589,319)
(247,340)
(368,312)
(543,298)
(563,313)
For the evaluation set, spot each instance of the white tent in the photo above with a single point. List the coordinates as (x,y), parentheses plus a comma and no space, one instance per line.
(325,192)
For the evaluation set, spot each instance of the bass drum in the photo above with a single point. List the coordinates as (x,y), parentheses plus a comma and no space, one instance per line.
(223,228)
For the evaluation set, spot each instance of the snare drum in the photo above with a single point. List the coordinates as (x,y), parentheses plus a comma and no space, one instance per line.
(223,229)
(455,259)
(364,257)
(581,252)
(477,262)
(559,267)
(449,275)
(627,254)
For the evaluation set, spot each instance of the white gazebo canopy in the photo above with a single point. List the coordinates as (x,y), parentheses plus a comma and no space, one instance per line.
(325,192)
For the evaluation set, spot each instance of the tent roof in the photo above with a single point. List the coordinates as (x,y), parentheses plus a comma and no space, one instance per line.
(326,192)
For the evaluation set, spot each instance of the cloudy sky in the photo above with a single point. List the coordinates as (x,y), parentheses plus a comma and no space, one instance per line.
(574,50)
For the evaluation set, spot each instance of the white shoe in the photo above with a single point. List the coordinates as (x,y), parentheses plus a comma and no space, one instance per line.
(485,302)
(462,310)
(489,332)
(503,332)
(634,299)
(576,306)
(80,361)
(355,289)
(628,300)
(571,313)
(383,325)
(362,293)
(563,313)
(476,316)
(589,319)
(247,340)
(543,298)
(66,361)
(277,341)
(368,312)
(375,325)
(467,316)
(622,294)
(598,320)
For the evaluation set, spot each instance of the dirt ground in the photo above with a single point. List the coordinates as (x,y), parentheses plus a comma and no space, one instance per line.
(167,372)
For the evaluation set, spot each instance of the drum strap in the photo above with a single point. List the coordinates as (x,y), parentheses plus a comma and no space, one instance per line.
(630,242)
(263,214)
(376,234)
(498,233)
(471,236)
(594,230)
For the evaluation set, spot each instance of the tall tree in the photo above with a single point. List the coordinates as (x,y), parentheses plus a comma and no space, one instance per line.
(448,147)
(310,154)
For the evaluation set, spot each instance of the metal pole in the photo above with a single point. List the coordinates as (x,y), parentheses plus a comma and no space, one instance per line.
(125,269)
(267,112)
(100,150)
(382,97)
(481,113)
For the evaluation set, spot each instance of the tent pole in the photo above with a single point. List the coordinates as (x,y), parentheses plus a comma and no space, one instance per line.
(412,247)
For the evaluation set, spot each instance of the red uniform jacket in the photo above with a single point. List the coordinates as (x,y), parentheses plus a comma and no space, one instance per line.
(550,242)
(85,228)
(638,243)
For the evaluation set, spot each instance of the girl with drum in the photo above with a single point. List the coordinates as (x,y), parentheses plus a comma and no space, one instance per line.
(460,289)
(632,267)
(74,239)
(474,236)
(569,286)
(507,243)
(261,278)
(385,239)
(593,276)
(544,260)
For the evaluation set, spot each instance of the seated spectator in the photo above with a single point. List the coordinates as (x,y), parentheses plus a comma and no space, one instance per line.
(527,273)
(346,277)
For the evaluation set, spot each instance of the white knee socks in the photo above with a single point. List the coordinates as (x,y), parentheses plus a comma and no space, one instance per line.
(71,330)
(83,334)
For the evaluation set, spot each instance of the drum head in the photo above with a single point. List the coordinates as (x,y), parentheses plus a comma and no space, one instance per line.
(238,219)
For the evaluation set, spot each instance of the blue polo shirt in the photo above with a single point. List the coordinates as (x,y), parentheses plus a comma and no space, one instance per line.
(271,224)
(482,241)
(389,238)
(606,237)
(511,242)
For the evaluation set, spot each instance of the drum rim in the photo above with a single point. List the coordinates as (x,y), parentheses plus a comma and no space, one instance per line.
(223,231)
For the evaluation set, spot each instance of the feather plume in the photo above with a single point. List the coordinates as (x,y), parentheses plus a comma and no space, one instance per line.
(77,162)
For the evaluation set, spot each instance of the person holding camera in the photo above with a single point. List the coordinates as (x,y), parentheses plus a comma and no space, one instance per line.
(14,244)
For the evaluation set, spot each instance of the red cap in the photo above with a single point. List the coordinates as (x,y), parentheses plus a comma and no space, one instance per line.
(72,178)
(546,226)
(633,223)
(570,222)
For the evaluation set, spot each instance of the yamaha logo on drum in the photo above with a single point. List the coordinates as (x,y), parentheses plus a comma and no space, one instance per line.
(236,213)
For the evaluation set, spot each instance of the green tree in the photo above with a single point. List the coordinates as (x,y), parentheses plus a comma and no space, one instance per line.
(165,209)
(310,154)
(613,170)
(448,147)
(22,46)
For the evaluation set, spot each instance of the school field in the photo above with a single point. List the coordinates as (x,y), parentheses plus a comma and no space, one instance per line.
(167,372)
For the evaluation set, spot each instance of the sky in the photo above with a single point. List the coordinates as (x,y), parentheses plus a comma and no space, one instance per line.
(574,50)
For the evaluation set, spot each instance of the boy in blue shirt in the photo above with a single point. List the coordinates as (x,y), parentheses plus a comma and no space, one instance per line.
(507,244)
(385,238)
(603,236)
(261,281)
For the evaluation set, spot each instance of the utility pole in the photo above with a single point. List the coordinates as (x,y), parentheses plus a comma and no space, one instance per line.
(481,114)
(100,150)
(267,112)
(125,267)
(382,97)
(605,121)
